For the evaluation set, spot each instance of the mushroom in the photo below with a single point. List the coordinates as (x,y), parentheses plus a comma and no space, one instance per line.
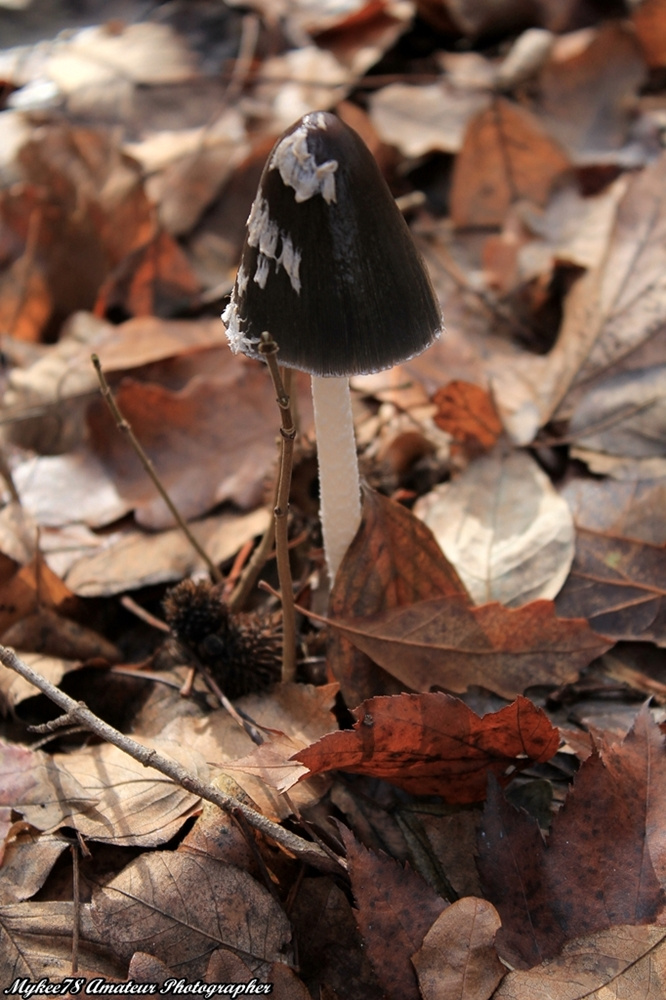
(330,270)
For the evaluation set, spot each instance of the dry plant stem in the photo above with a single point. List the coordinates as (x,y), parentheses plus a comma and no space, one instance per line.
(249,576)
(125,427)
(268,349)
(310,853)
(76,898)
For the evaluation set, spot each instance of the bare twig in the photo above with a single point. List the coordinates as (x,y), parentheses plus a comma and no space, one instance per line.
(268,349)
(310,853)
(126,428)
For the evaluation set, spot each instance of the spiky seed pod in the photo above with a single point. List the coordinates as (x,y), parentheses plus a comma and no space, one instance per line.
(242,652)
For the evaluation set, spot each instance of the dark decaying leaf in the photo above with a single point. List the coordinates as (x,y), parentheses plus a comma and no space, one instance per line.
(394,910)
(605,859)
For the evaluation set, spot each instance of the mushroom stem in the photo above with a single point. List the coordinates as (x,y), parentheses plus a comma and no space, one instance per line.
(339,486)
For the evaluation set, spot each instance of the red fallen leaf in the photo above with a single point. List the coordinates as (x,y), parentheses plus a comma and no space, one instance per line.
(393,560)
(445,643)
(619,584)
(605,857)
(433,744)
(153,280)
(467,413)
(395,908)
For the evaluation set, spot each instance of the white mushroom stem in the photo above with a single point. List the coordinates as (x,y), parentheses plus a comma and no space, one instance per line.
(339,486)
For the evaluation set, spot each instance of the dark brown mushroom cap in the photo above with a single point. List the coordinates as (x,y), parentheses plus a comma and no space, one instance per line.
(329,266)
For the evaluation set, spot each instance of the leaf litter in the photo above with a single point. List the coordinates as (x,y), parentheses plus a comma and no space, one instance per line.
(474,647)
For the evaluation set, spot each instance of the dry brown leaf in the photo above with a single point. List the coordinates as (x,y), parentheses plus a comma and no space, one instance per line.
(458,957)
(506,156)
(619,584)
(223,427)
(329,948)
(599,71)
(51,634)
(37,942)
(154,280)
(443,643)
(418,120)
(433,744)
(32,587)
(133,805)
(14,689)
(623,415)
(131,558)
(300,711)
(186,907)
(56,489)
(627,508)
(624,961)
(611,312)
(374,576)
(649,20)
(28,859)
(504,528)
(467,413)
(34,785)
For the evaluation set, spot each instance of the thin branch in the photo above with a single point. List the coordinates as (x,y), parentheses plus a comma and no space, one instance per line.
(126,428)
(310,853)
(268,349)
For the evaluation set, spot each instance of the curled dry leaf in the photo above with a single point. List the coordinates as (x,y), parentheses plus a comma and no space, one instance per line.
(458,956)
(592,874)
(445,643)
(504,527)
(433,744)
(187,906)
(611,311)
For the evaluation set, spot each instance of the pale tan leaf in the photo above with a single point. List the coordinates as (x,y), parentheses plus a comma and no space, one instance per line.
(131,558)
(37,942)
(458,957)
(502,525)
(624,961)
(187,906)
(133,804)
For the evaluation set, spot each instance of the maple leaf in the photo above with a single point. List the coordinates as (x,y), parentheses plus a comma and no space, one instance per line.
(433,744)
